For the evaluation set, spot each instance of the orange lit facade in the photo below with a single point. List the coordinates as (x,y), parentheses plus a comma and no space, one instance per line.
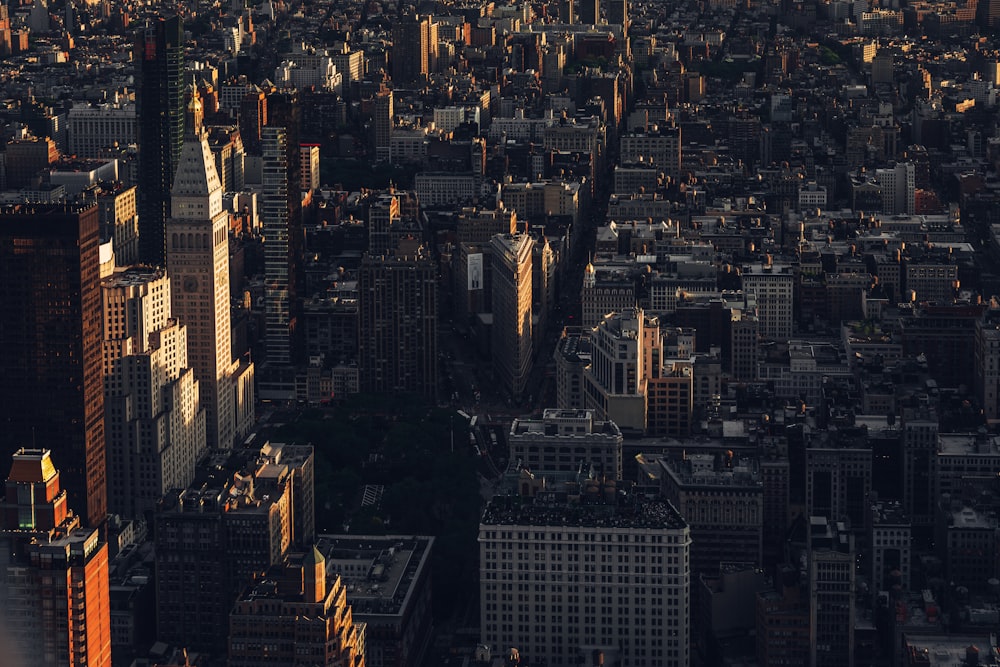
(55,580)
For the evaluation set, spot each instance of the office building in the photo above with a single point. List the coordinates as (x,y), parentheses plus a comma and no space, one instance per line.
(120,221)
(783,624)
(966,465)
(309,166)
(95,129)
(774,477)
(154,423)
(397,322)
(604,293)
(510,274)
(657,146)
(306,614)
(234,522)
(546,586)
(590,12)
(198,266)
(26,158)
(626,351)
(572,357)
(51,393)
(159,58)
(562,440)
(966,542)
(722,501)
(772,288)
(275,227)
(617,11)
(383,217)
(53,573)
(889,541)
(389,580)
(987,363)
(839,484)
(920,444)
(831,570)
(414,49)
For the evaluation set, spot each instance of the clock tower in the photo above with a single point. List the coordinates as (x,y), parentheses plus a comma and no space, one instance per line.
(198,266)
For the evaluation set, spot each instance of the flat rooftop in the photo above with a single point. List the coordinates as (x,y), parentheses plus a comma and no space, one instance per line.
(379,572)
(622,510)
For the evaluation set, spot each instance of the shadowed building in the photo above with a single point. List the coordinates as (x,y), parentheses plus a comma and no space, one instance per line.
(397,323)
(307,617)
(159,57)
(51,393)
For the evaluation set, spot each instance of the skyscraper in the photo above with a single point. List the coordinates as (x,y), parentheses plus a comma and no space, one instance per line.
(274,141)
(198,265)
(46,557)
(50,345)
(397,327)
(159,58)
(511,279)
(153,417)
(411,49)
(618,14)
(282,222)
(590,12)
(383,124)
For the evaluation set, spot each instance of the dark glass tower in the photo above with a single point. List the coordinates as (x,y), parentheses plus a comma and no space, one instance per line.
(159,69)
(51,384)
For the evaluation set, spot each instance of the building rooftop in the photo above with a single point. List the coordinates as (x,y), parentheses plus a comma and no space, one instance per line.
(968,444)
(889,513)
(379,572)
(561,423)
(702,470)
(31,465)
(950,650)
(587,505)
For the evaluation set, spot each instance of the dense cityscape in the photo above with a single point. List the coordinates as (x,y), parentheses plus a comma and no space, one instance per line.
(466,333)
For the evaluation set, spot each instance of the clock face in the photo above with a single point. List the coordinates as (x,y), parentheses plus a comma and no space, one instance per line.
(190,284)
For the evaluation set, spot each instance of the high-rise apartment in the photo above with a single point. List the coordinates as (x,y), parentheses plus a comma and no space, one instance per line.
(397,322)
(198,266)
(159,58)
(510,271)
(153,418)
(51,394)
(412,48)
(383,123)
(55,609)
(547,587)
(281,216)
